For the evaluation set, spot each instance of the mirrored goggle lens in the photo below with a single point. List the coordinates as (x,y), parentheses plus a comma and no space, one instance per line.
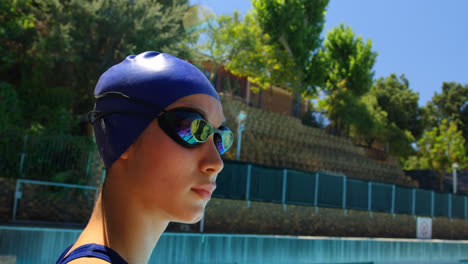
(194,130)
(182,127)
(201,130)
(224,141)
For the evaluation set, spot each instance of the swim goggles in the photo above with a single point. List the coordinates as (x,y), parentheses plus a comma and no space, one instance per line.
(184,125)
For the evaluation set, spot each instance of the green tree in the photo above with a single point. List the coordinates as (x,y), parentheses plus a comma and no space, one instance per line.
(256,57)
(368,119)
(402,122)
(439,149)
(464,126)
(17,31)
(75,41)
(240,45)
(451,104)
(10,111)
(350,62)
(217,40)
(295,26)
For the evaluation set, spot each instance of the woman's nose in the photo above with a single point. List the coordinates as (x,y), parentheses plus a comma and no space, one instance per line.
(211,162)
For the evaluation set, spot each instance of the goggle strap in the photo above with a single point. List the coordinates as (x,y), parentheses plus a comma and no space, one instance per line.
(95,115)
(136,100)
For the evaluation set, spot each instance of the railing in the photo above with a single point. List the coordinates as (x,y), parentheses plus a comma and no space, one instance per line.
(59,158)
(51,202)
(322,189)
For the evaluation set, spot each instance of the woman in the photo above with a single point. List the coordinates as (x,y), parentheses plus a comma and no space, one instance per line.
(159,127)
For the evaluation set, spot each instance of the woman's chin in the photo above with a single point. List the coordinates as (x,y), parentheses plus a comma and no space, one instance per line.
(190,219)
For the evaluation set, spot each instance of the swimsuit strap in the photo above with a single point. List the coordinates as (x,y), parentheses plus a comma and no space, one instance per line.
(94,251)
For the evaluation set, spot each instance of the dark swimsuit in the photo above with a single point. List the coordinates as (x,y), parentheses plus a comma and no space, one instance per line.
(93,251)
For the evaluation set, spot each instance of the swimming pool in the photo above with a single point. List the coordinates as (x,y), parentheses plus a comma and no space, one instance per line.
(44,245)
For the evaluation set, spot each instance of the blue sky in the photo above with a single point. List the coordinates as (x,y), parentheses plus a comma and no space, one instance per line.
(425,40)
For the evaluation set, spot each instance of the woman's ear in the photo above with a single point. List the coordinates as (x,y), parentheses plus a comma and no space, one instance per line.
(130,150)
(127,152)
(124,155)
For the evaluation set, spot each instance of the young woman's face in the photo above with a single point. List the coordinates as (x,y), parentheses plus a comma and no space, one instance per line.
(169,179)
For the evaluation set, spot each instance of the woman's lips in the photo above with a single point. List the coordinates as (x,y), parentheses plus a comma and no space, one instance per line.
(203,194)
(204,191)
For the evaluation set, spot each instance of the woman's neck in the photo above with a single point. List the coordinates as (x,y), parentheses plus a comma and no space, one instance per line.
(119,222)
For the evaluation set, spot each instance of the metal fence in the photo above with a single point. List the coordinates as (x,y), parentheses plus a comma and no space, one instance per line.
(61,158)
(257,183)
(69,159)
(51,202)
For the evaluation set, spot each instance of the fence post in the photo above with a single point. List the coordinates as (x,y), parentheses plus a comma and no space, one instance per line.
(369,198)
(202,223)
(450,206)
(316,191)
(103,176)
(432,204)
(393,199)
(283,197)
(466,204)
(413,209)
(344,195)
(247,185)
(18,195)
(23,154)
(89,163)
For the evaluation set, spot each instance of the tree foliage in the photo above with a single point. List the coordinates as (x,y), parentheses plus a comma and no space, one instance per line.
(295,26)
(439,149)
(397,113)
(262,62)
(239,44)
(349,62)
(451,104)
(216,35)
(58,49)
(10,111)
(16,33)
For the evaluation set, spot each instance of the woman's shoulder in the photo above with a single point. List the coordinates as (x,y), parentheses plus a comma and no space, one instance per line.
(91,253)
(86,260)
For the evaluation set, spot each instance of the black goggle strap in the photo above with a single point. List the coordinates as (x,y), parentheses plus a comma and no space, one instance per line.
(136,100)
(95,115)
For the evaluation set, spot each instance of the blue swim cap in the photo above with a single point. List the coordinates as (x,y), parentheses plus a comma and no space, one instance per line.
(157,78)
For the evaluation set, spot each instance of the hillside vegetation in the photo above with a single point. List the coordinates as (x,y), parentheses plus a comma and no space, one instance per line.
(277,140)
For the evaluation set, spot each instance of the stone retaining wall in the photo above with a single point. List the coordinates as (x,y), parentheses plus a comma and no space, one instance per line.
(233,216)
